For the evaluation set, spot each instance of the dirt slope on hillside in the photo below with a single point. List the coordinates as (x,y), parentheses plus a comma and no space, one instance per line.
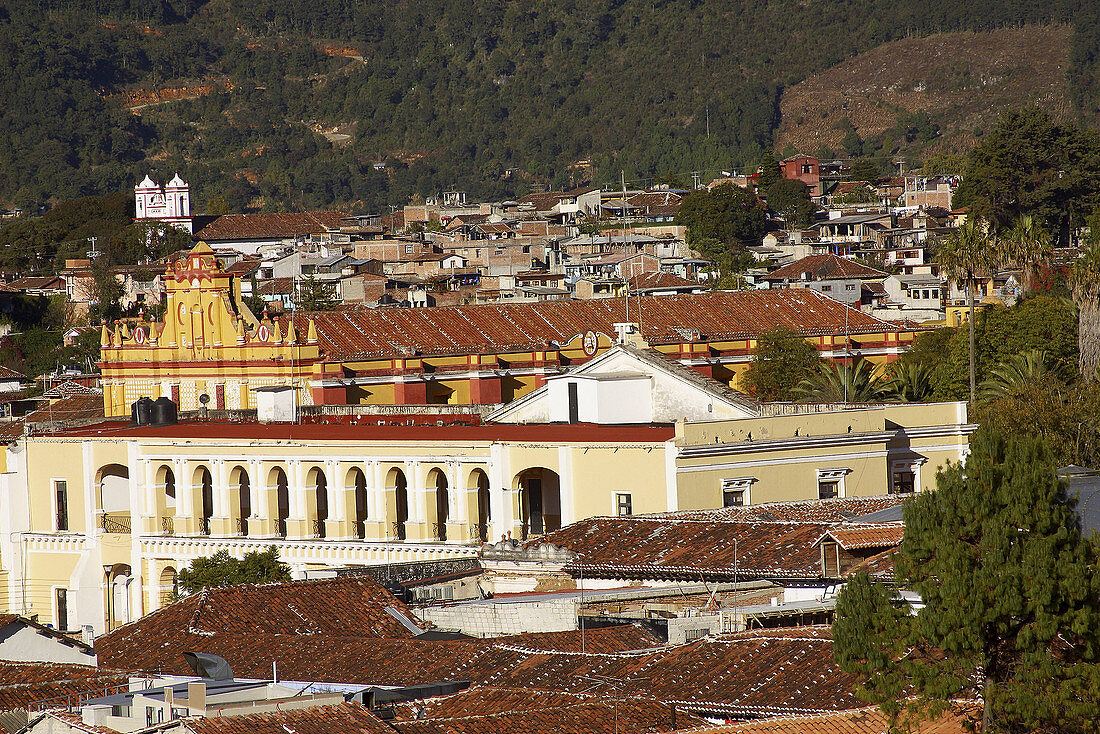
(962,80)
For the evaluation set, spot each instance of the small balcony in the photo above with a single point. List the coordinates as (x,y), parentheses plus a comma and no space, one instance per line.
(115,522)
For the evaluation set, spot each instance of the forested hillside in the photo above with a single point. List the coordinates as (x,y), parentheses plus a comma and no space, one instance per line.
(291,104)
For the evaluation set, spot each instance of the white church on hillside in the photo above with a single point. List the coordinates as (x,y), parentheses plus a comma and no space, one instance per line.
(170,205)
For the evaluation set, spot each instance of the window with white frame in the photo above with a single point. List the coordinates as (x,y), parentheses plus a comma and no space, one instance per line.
(624,505)
(735,492)
(61,504)
(830,483)
(905,476)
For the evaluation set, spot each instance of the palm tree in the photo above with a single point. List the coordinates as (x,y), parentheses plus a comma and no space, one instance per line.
(1086,294)
(1029,245)
(908,382)
(841,383)
(968,249)
(1014,372)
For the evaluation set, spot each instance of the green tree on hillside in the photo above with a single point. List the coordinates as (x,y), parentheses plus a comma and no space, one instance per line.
(790,199)
(730,214)
(1011,601)
(1031,165)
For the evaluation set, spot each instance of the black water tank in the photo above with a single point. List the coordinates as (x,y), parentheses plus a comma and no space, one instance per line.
(164,412)
(141,412)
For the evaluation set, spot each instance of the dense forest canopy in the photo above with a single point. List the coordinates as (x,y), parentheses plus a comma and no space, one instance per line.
(301,100)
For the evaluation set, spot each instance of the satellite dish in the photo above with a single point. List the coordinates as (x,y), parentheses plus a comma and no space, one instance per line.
(204,398)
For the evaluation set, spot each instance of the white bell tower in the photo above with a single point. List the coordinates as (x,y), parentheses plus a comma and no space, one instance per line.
(170,205)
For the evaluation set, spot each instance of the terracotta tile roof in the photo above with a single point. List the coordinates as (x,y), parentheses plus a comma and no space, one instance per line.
(867,535)
(37,283)
(879,566)
(340,608)
(745,675)
(661,281)
(346,718)
(275,287)
(869,720)
(585,715)
(673,548)
(618,638)
(244,267)
(26,684)
(483,700)
(493,228)
(835,510)
(11,431)
(76,410)
(823,267)
(269,226)
(492,328)
(6,373)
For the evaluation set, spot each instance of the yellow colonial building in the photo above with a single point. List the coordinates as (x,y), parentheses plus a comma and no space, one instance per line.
(209,344)
(99,520)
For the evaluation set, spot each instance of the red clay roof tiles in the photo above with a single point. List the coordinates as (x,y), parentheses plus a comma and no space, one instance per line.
(824,267)
(840,509)
(868,535)
(345,718)
(269,226)
(26,684)
(494,328)
(671,548)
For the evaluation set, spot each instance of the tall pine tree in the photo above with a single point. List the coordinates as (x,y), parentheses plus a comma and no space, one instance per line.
(1011,604)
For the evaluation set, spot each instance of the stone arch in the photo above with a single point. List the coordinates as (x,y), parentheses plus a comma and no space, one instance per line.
(481,515)
(317,509)
(202,485)
(539,491)
(397,502)
(355,490)
(439,507)
(278,488)
(240,499)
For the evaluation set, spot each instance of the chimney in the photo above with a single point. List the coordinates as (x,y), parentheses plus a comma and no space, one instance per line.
(196,698)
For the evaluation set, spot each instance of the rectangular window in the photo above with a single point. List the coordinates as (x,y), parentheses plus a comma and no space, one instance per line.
(826,288)
(903,480)
(408,249)
(691,635)
(735,492)
(623,504)
(61,504)
(850,287)
(830,483)
(733,497)
(61,609)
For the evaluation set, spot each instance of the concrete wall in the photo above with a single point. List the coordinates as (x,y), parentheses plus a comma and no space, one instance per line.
(493,619)
(27,644)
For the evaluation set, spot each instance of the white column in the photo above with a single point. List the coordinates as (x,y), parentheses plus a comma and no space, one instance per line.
(297,491)
(149,495)
(185,492)
(457,498)
(376,492)
(500,494)
(219,475)
(337,492)
(418,495)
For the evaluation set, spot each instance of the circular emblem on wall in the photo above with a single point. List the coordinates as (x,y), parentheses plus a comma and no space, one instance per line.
(263,333)
(139,335)
(590,343)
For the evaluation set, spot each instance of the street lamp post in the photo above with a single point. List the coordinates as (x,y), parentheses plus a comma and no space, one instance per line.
(107,567)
